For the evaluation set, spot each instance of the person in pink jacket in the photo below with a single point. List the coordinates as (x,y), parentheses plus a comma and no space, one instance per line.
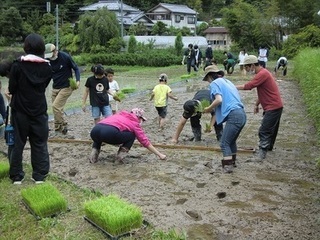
(121,129)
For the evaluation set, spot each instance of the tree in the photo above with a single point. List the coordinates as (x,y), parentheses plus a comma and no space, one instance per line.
(159,28)
(138,29)
(97,28)
(178,44)
(11,24)
(132,44)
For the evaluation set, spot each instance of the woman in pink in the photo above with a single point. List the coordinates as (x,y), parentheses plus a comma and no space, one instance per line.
(121,129)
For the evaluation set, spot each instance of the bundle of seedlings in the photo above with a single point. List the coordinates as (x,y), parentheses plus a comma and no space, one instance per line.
(113,215)
(44,200)
(120,94)
(73,83)
(128,90)
(203,104)
(4,169)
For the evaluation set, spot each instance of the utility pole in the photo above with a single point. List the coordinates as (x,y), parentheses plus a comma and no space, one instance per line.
(121,10)
(57,27)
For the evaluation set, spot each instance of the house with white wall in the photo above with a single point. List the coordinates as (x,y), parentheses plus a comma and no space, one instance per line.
(218,37)
(174,15)
(130,15)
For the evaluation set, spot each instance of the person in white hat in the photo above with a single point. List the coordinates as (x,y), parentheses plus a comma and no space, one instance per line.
(229,109)
(270,99)
(62,65)
(121,129)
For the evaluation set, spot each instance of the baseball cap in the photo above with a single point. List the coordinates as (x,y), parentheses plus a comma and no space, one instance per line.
(189,108)
(139,113)
(163,77)
(250,59)
(211,68)
(49,50)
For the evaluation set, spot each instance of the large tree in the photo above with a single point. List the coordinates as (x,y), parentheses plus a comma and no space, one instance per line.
(97,28)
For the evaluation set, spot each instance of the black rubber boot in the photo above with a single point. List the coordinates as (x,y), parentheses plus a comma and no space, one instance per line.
(227,166)
(234,158)
(197,134)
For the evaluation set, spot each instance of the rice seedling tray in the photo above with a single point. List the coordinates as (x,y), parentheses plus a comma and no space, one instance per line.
(112,237)
(37,217)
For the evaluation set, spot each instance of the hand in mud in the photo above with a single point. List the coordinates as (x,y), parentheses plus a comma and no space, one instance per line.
(174,141)
(162,156)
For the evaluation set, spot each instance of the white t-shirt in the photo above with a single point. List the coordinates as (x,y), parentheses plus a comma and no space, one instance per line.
(114,87)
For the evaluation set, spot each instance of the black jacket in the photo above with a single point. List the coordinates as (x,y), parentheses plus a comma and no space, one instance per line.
(27,84)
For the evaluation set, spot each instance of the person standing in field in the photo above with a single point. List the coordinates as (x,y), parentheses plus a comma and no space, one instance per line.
(114,88)
(270,99)
(198,56)
(28,79)
(160,93)
(209,55)
(263,55)
(189,56)
(62,65)
(242,55)
(229,109)
(97,87)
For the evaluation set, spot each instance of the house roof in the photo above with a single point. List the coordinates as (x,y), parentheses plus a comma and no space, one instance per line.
(112,5)
(175,8)
(211,30)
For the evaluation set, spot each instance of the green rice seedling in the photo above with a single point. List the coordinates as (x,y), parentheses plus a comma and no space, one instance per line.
(73,83)
(114,215)
(185,76)
(203,104)
(208,128)
(44,200)
(128,90)
(4,169)
(121,95)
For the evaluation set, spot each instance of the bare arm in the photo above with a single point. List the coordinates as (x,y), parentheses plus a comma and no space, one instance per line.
(240,87)
(84,98)
(170,95)
(179,130)
(217,101)
(152,96)
(152,149)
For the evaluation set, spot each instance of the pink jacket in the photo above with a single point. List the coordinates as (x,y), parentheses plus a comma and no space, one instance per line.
(126,121)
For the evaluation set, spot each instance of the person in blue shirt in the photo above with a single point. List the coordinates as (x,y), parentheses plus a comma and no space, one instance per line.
(229,109)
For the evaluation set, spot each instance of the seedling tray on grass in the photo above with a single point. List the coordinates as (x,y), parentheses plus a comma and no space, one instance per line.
(114,216)
(43,200)
(112,237)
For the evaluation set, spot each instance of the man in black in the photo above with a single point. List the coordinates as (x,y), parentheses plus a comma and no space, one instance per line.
(191,110)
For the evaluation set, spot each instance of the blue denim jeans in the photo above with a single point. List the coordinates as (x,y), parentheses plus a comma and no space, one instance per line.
(268,130)
(234,123)
(105,111)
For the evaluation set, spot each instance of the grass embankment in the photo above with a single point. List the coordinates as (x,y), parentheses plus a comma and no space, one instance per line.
(17,223)
(307,71)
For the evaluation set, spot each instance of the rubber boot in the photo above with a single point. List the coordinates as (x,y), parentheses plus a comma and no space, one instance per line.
(197,134)
(227,165)
(234,158)
(94,155)
(122,153)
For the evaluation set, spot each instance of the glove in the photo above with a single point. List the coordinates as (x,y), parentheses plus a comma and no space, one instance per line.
(116,98)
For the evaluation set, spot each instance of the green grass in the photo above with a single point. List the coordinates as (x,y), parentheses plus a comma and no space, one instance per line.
(4,169)
(16,222)
(114,215)
(44,200)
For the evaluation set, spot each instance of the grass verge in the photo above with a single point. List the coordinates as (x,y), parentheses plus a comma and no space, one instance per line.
(16,222)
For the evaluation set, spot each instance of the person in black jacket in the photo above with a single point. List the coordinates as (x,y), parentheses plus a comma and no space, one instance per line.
(28,80)
(62,65)
(191,108)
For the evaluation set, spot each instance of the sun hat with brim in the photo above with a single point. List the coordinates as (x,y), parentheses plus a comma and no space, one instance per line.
(250,59)
(210,69)
(49,50)
(139,113)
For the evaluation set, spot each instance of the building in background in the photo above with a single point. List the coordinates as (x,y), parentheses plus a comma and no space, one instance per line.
(218,37)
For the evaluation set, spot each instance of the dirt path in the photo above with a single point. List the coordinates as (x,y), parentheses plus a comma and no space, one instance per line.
(276,199)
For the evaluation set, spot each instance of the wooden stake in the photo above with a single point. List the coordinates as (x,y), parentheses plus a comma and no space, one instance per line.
(190,147)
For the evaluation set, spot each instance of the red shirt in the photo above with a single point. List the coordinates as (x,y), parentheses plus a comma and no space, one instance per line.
(267,88)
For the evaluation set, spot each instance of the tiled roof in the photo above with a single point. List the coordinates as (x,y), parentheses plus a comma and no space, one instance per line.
(216,30)
(112,5)
(175,8)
